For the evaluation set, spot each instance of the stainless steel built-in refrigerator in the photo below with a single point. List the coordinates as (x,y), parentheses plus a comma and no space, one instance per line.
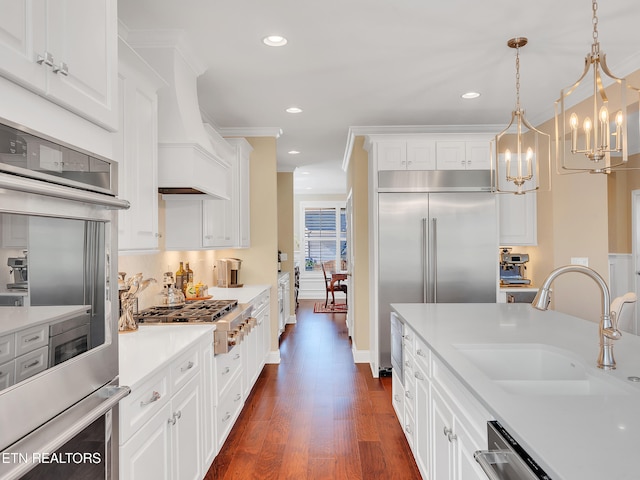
(434,248)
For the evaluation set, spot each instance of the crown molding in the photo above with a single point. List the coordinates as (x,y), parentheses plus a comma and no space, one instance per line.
(275,132)
(174,39)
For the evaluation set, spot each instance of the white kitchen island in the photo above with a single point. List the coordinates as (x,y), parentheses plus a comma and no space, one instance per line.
(573,433)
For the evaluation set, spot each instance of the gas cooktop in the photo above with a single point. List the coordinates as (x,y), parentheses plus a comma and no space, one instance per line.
(192,312)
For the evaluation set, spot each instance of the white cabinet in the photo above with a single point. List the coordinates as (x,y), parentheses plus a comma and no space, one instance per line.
(14,231)
(229,392)
(65,50)
(241,193)
(463,155)
(444,425)
(196,223)
(284,299)
(136,150)
(169,444)
(161,424)
(406,154)
(518,219)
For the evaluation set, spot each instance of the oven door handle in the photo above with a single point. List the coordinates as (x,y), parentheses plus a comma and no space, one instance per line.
(60,429)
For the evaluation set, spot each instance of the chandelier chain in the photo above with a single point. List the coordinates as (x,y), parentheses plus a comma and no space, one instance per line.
(518,78)
(594,7)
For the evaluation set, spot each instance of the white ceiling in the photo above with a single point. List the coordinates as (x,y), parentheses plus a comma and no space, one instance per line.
(382,62)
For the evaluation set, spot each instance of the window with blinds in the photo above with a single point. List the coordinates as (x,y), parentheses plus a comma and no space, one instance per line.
(325,233)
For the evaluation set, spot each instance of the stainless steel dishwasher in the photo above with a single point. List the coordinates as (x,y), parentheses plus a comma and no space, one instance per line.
(505,459)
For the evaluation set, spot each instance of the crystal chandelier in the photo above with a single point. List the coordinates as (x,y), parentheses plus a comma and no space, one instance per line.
(596,141)
(520,148)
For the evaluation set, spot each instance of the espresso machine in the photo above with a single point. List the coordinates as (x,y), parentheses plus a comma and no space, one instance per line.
(18,266)
(512,268)
(228,272)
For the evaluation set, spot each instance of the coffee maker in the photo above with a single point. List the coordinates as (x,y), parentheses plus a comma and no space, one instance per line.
(18,266)
(228,272)
(512,268)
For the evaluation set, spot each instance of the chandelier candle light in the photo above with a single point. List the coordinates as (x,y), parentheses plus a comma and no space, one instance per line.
(593,142)
(520,143)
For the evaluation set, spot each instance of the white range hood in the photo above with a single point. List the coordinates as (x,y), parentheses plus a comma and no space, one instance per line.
(188,161)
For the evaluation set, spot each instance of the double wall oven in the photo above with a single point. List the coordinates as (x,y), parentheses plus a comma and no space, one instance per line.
(58,209)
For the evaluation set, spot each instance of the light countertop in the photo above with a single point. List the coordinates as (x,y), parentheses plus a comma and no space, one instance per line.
(151,348)
(573,437)
(244,294)
(13,319)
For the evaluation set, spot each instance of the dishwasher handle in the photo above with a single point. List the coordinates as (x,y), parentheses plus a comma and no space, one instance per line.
(502,464)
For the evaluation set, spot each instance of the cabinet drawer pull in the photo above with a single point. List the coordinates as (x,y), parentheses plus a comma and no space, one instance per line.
(177,414)
(408,395)
(62,69)
(32,339)
(46,59)
(421,353)
(448,432)
(226,370)
(172,420)
(418,375)
(407,427)
(155,396)
(237,397)
(188,367)
(237,356)
(32,364)
(226,417)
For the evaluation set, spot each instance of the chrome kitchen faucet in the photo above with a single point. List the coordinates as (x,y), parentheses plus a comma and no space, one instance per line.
(608,330)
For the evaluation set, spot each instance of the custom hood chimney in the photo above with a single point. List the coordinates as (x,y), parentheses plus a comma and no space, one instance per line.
(188,161)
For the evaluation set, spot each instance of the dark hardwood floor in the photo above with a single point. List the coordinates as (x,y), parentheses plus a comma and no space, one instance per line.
(317,415)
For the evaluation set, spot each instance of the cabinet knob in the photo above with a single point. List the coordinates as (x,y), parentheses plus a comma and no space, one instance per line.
(418,375)
(449,434)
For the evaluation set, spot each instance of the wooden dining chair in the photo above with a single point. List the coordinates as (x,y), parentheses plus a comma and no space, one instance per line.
(337,287)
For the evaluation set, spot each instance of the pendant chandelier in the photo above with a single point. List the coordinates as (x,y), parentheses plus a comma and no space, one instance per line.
(595,141)
(520,148)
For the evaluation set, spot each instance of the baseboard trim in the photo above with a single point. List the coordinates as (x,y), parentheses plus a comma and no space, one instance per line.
(292,319)
(273,357)
(360,356)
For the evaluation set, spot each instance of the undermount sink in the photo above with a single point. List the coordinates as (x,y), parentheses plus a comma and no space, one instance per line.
(536,369)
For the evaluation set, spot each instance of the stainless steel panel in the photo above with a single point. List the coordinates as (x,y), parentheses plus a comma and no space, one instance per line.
(466,242)
(401,259)
(434,247)
(434,181)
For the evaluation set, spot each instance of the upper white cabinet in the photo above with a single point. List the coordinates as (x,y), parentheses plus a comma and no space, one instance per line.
(518,219)
(136,150)
(65,50)
(406,155)
(432,151)
(463,155)
(241,193)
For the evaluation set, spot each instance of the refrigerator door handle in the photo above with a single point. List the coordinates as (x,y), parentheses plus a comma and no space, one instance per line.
(425,261)
(434,256)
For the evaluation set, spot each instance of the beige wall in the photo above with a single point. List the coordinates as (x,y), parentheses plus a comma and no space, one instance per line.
(620,185)
(358,185)
(285,227)
(259,264)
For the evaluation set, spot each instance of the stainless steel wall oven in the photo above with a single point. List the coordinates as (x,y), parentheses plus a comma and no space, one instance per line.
(58,207)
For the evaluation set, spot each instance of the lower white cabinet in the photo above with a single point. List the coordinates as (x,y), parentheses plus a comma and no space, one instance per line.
(443,423)
(169,444)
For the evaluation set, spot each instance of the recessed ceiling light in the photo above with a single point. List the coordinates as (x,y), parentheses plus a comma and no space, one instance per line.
(274,41)
(293,110)
(470,95)
(308,188)
(293,152)
(304,173)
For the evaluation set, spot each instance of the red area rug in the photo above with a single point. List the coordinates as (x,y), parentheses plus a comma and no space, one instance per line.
(330,308)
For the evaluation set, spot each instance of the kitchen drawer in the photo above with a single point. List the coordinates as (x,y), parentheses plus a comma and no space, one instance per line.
(409,427)
(408,340)
(423,357)
(261,302)
(7,347)
(7,374)
(398,396)
(142,404)
(227,366)
(31,338)
(31,363)
(228,409)
(184,368)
